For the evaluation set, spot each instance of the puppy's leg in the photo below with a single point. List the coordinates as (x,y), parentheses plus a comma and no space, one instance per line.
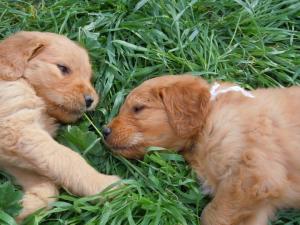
(249,192)
(235,204)
(62,165)
(39,191)
(260,216)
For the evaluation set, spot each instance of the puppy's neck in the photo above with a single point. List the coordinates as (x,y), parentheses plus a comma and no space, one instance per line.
(191,143)
(189,148)
(49,123)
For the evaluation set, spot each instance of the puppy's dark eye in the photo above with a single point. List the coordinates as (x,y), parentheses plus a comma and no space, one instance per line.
(63,69)
(138,108)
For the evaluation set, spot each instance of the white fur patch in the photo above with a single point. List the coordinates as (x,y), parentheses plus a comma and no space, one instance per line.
(215,91)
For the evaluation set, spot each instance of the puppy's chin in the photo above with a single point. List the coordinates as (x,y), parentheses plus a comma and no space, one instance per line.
(63,114)
(132,152)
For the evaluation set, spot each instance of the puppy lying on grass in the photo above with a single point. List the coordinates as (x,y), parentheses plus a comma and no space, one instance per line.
(44,79)
(245,147)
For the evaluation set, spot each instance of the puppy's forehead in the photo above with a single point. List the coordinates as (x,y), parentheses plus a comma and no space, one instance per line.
(164,81)
(61,50)
(144,92)
(137,97)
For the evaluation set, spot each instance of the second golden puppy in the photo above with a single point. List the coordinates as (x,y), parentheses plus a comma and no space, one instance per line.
(245,147)
(44,79)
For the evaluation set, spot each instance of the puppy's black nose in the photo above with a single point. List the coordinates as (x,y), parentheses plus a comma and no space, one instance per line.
(106,131)
(88,100)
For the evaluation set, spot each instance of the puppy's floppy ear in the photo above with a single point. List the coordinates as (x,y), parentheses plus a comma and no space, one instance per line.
(187,104)
(16,51)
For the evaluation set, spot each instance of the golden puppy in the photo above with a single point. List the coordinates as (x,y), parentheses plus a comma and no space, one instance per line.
(44,79)
(245,147)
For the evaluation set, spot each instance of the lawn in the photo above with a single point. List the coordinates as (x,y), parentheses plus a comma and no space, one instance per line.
(251,42)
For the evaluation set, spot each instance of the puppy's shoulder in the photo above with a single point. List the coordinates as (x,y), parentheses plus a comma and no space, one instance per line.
(20,106)
(18,95)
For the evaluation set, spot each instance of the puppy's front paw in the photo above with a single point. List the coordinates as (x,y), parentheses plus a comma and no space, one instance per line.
(99,183)
(110,180)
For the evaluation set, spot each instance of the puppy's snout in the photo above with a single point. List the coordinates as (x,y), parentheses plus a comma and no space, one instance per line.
(106,131)
(88,100)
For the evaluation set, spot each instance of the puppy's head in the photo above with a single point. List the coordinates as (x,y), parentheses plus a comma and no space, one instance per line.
(57,68)
(166,111)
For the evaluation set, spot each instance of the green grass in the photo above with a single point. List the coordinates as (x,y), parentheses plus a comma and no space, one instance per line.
(255,43)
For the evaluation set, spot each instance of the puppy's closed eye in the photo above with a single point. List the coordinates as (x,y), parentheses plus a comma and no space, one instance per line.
(138,108)
(63,69)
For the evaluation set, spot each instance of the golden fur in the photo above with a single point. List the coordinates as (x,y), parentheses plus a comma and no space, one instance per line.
(36,92)
(246,151)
